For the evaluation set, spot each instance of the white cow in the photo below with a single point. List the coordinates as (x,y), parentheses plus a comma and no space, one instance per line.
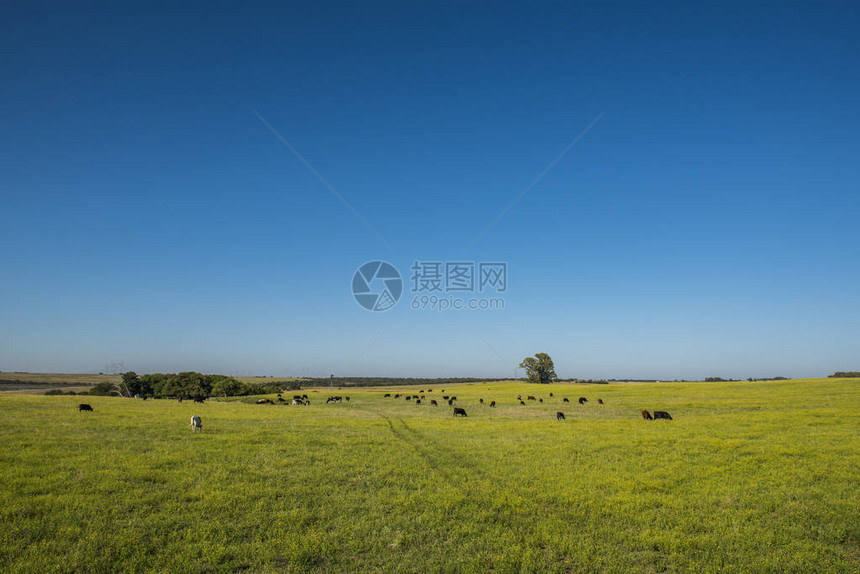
(196,423)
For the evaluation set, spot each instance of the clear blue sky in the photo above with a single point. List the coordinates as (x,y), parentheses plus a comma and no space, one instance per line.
(706,225)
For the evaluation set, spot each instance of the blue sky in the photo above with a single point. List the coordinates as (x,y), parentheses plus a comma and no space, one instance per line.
(705,225)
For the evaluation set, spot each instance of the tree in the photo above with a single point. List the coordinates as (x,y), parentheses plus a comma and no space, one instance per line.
(130,384)
(539,369)
(227,386)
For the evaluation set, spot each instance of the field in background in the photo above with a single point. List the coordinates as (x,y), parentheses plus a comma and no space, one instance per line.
(39,383)
(748,477)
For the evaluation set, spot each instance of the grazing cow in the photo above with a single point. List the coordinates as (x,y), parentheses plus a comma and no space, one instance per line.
(446,397)
(421,391)
(541,399)
(418,402)
(387,396)
(433,402)
(180,399)
(84,407)
(453,398)
(481,401)
(422,396)
(298,401)
(599,401)
(264,402)
(662,415)
(493,404)
(408,397)
(522,402)
(647,416)
(550,395)
(582,400)
(450,402)
(199,400)
(305,397)
(565,400)
(346,398)
(281,400)
(519,397)
(530,398)
(460,412)
(559,416)
(196,423)
(297,397)
(429,390)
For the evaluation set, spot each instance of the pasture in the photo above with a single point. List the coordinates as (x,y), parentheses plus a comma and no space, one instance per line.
(748,477)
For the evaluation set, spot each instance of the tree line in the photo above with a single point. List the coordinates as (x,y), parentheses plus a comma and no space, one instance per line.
(187,385)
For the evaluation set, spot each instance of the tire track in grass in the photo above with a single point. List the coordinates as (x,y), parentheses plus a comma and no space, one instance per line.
(429,458)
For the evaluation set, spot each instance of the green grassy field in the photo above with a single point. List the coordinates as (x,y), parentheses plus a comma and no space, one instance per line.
(749,477)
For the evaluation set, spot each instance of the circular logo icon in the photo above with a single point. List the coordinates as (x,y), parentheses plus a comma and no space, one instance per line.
(377,286)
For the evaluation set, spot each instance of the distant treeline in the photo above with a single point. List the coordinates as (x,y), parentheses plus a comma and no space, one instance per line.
(25,384)
(388,381)
(845,375)
(187,385)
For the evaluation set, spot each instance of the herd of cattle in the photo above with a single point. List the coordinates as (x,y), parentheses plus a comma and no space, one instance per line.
(461,412)
(303,400)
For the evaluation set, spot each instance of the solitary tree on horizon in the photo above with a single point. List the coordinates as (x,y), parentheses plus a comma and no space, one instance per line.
(539,369)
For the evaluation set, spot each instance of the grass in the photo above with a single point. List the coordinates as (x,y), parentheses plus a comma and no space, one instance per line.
(749,477)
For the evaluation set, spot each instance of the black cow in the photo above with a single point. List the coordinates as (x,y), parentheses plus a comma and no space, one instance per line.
(453,398)
(199,400)
(450,402)
(481,401)
(582,400)
(599,401)
(647,416)
(84,407)
(408,398)
(493,404)
(459,411)
(522,402)
(662,415)
(565,400)
(559,416)
(446,397)
(387,396)
(347,399)
(418,402)
(550,395)
(541,399)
